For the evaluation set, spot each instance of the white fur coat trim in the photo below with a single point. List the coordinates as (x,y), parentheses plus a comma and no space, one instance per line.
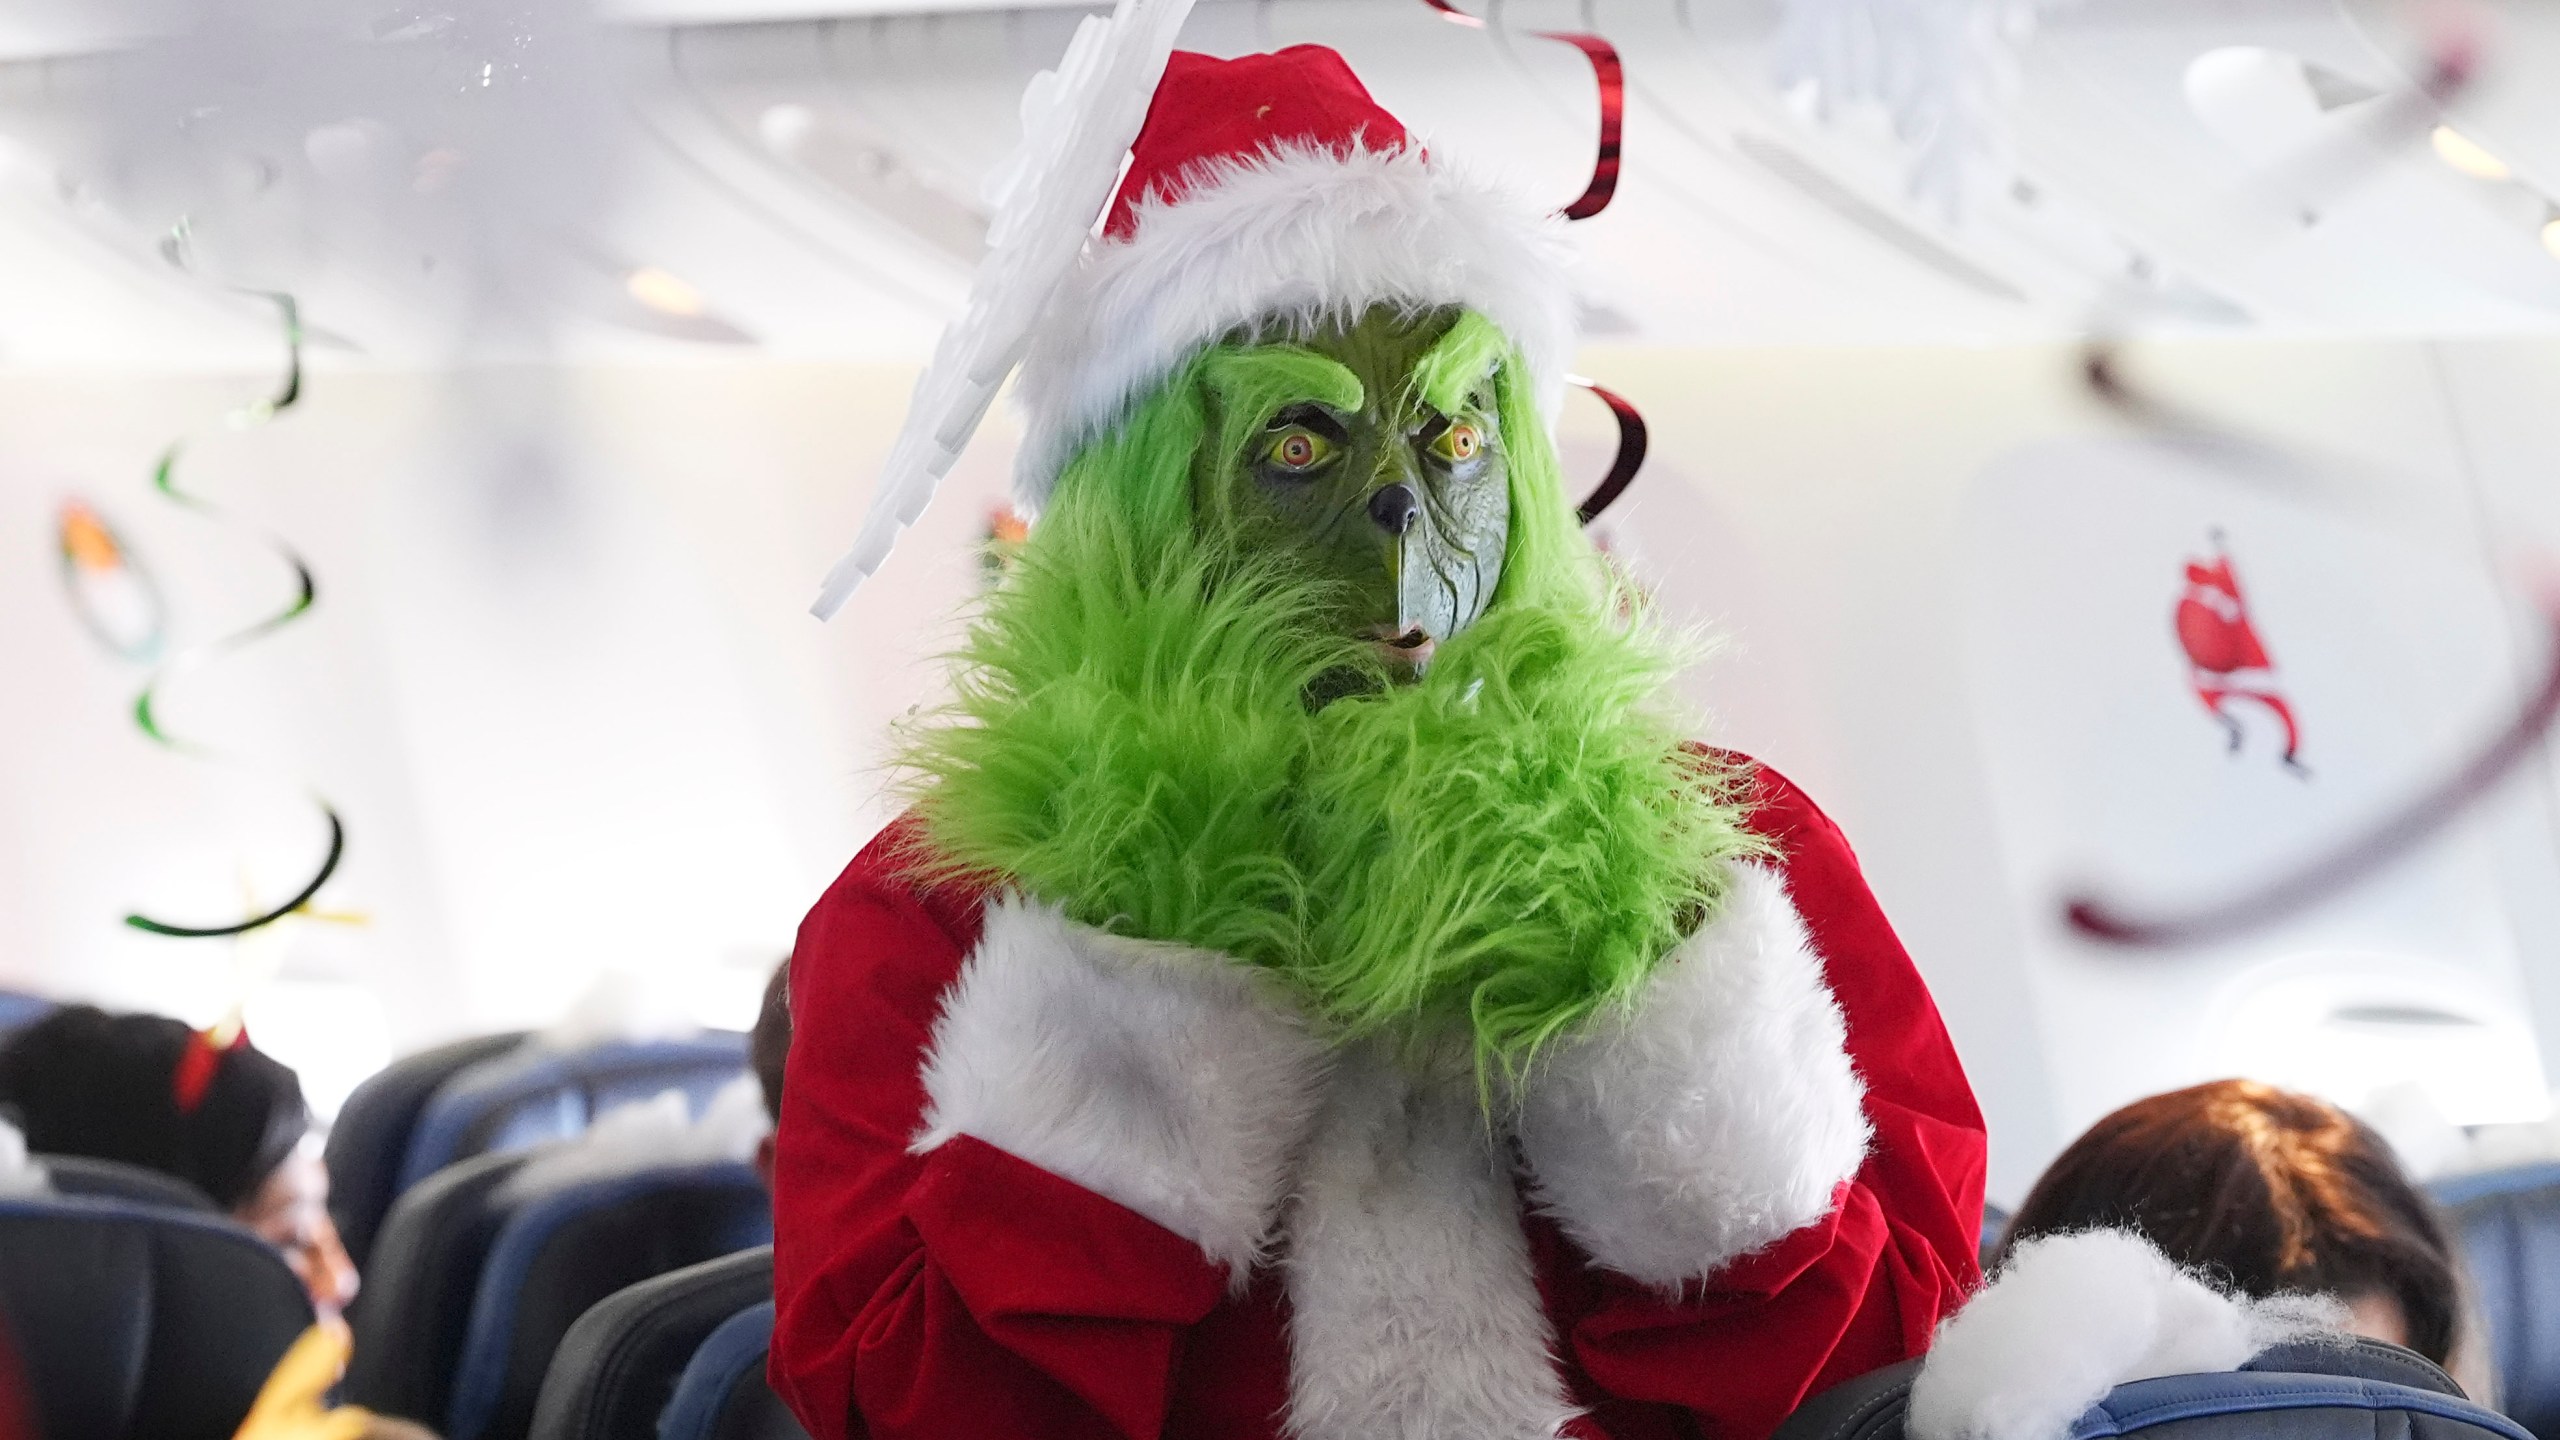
(1413,1306)
(1298,236)
(1717,1115)
(1173,1081)
(2069,1318)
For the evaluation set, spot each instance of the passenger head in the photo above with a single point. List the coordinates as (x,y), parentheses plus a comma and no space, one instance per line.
(768,1045)
(84,1082)
(2267,1191)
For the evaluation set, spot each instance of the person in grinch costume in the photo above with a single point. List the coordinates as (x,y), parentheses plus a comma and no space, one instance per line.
(1321,989)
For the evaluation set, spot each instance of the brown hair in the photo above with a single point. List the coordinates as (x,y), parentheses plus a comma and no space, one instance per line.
(2262,1189)
(769,1043)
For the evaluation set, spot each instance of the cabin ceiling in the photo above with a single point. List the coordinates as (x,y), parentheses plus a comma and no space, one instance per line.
(801,179)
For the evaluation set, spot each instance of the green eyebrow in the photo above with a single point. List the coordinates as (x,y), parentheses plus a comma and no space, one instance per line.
(1256,380)
(1451,369)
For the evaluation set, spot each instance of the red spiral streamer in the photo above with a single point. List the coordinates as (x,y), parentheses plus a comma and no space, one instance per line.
(1633,439)
(1611,74)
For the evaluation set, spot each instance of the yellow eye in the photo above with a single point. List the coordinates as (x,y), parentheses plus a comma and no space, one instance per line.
(1300,449)
(1459,443)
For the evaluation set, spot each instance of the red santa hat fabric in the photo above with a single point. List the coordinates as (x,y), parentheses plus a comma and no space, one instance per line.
(1272,193)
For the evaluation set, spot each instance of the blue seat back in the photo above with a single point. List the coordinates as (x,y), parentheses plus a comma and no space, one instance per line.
(370,1140)
(416,1306)
(533,1094)
(2453,1190)
(2509,1232)
(561,1252)
(2358,1391)
(722,1394)
(617,1366)
(139,1321)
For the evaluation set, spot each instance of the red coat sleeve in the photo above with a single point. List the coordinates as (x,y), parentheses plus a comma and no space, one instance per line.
(1865,1286)
(964,1291)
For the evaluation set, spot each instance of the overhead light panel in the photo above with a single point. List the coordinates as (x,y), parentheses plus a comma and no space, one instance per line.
(2467,155)
(663,292)
(2551,231)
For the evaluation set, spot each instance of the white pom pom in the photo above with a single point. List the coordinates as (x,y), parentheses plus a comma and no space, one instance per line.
(2069,1318)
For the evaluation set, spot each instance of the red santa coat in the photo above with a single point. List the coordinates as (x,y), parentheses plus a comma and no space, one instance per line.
(1767,1180)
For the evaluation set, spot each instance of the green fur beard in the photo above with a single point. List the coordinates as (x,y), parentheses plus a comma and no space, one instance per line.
(1508,844)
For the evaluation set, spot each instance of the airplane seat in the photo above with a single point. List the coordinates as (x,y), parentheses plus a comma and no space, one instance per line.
(2509,1234)
(2455,1190)
(96,1179)
(535,1094)
(17,1008)
(2304,1391)
(371,1137)
(141,1321)
(562,1251)
(1995,1223)
(722,1393)
(415,1308)
(617,1367)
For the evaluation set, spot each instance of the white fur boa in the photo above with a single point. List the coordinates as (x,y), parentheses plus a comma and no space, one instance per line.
(1413,1306)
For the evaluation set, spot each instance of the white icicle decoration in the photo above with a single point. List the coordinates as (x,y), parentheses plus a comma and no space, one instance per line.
(1078,122)
(1940,69)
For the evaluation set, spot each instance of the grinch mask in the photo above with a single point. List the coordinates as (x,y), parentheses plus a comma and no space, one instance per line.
(1505,844)
(1370,451)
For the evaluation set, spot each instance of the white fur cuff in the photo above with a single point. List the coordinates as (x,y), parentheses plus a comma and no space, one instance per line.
(2071,1317)
(1170,1080)
(1719,1115)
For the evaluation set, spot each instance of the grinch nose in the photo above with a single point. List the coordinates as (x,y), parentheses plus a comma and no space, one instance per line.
(1395,508)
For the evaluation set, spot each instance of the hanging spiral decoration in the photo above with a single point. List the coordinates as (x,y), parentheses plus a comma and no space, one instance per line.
(147,706)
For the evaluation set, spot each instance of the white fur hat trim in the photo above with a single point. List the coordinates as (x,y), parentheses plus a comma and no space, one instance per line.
(1299,235)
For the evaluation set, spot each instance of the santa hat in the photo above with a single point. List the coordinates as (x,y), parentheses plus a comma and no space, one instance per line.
(1270,192)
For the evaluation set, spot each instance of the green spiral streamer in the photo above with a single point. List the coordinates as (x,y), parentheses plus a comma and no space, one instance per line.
(146,706)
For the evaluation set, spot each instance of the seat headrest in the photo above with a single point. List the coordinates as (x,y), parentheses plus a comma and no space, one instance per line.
(2510,1240)
(371,1136)
(144,1322)
(532,1094)
(115,1180)
(2351,1391)
(617,1367)
(563,1251)
(2453,1190)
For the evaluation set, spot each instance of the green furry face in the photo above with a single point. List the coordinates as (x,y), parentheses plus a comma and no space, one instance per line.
(1502,848)
(1342,451)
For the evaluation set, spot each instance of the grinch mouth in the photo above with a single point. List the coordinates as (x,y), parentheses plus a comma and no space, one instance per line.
(1413,647)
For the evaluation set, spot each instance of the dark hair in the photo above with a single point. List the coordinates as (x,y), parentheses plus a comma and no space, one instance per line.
(2262,1189)
(769,1044)
(84,1082)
